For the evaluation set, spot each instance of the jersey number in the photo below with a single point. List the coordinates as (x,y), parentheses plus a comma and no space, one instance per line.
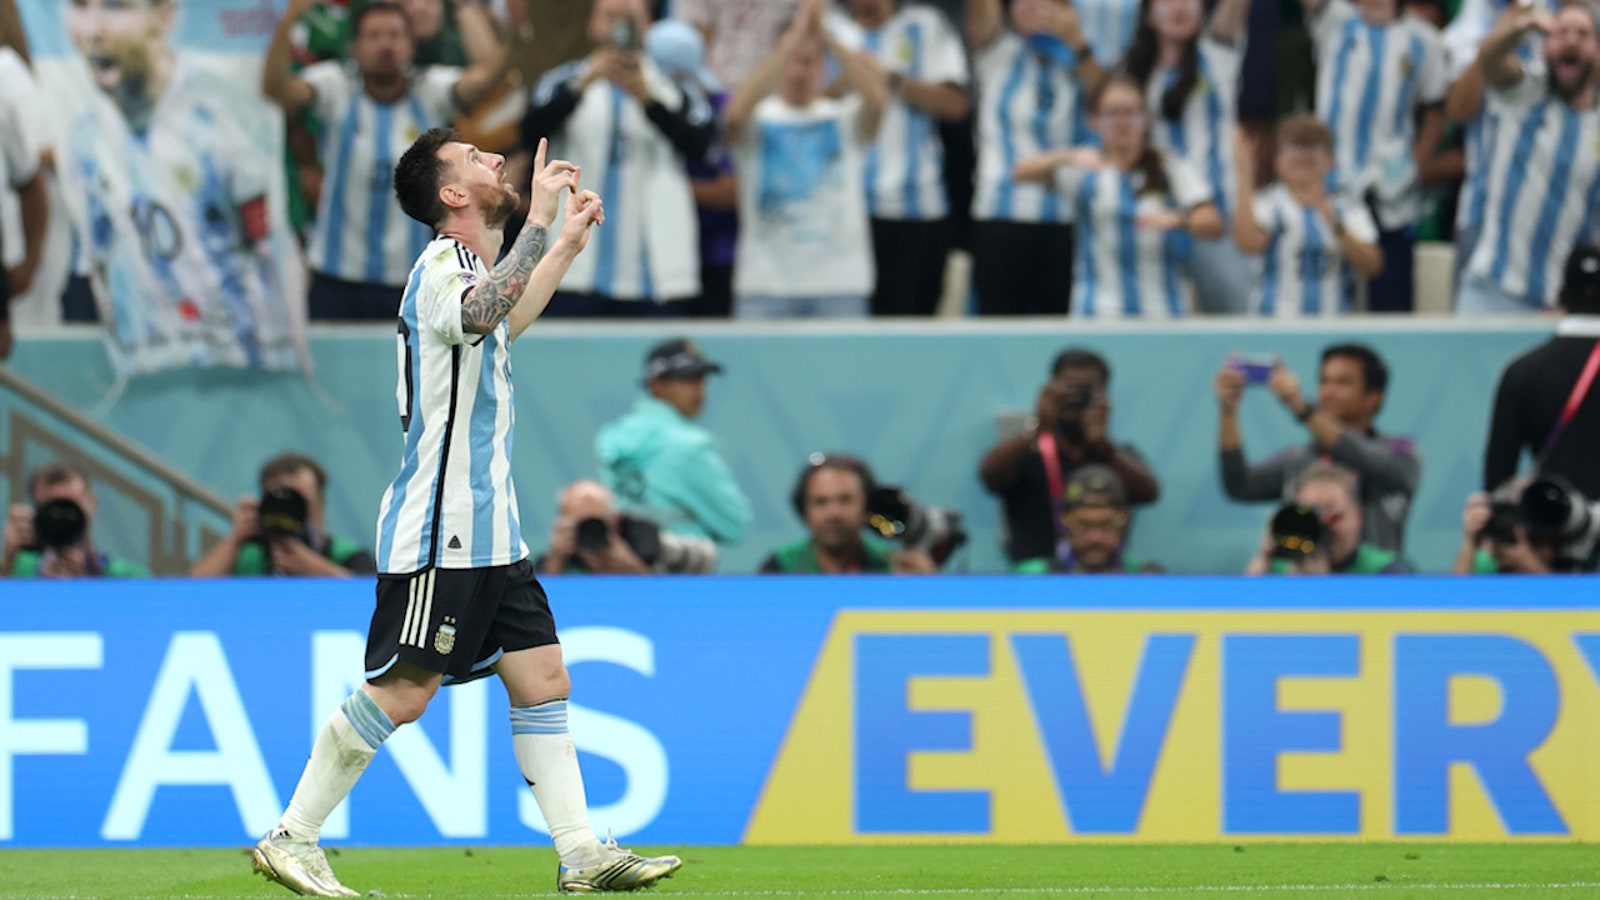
(405,388)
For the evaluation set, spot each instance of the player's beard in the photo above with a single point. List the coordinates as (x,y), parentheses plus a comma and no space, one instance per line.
(499,202)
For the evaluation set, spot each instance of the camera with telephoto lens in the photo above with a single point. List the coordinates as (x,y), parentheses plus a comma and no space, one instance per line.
(282,514)
(59,524)
(893,514)
(655,548)
(1296,532)
(1504,517)
(1553,511)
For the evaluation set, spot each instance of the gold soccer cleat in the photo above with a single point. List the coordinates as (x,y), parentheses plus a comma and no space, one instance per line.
(298,866)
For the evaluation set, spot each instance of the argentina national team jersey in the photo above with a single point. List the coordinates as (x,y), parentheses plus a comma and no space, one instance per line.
(1542,186)
(361,234)
(1028,102)
(1461,41)
(1108,26)
(1303,274)
(1203,134)
(905,167)
(453,504)
(1371,80)
(1124,271)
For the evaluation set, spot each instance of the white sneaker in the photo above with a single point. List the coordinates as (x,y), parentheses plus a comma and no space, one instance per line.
(297,865)
(618,870)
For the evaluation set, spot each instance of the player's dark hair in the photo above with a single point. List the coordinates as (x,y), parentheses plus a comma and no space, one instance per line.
(837,462)
(377,6)
(419,175)
(1374,374)
(290,463)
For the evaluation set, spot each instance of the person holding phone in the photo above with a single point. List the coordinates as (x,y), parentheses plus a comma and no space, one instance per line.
(1350,392)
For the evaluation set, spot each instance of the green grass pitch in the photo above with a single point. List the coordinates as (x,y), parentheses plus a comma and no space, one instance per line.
(1265,870)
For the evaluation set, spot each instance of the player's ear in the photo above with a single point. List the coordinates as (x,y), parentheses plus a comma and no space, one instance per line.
(453,197)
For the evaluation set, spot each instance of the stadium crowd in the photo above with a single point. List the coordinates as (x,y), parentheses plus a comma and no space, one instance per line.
(1108,159)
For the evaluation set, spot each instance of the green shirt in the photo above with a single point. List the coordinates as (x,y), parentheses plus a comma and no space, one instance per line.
(27,563)
(252,557)
(800,558)
(1367,560)
(1039,565)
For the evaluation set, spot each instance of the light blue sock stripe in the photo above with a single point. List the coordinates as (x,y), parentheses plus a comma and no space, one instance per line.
(367,718)
(546,718)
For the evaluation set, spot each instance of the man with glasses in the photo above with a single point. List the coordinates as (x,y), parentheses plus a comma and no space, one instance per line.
(1095,519)
(1328,492)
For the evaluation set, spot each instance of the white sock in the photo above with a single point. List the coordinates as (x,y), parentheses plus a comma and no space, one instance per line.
(549,763)
(343,748)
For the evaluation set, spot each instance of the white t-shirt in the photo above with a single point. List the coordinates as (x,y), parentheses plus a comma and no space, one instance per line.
(19,121)
(802,205)
(1302,273)
(361,234)
(1125,271)
(905,168)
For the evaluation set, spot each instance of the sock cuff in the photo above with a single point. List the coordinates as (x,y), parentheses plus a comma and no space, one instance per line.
(367,718)
(543,718)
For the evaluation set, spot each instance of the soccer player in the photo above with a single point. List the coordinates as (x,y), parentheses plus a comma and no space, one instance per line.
(457,597)
(174,195)
(1137,210)
(1311,238)
(1378,74)
(1543,179)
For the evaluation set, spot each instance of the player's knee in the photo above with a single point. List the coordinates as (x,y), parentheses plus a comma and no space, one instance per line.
(408,708)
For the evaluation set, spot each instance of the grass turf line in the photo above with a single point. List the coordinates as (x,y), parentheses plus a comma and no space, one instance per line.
(1276,870)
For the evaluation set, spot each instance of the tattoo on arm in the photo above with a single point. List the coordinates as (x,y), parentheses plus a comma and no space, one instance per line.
(490,302)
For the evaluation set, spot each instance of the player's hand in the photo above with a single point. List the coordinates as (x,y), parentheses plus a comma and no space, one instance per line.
(912,562)
(584,211)
(246,519)
(549,180)
(19,528)
(1229,386)
(1285,386)
(1474,516)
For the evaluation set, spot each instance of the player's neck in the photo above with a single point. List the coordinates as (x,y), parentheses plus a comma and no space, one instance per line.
(478,237)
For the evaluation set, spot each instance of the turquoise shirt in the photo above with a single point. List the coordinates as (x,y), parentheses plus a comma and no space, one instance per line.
(662,465)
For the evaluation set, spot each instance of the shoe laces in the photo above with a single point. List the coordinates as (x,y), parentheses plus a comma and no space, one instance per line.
(610,844)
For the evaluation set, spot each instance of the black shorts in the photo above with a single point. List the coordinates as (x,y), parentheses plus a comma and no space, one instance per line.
(458,622)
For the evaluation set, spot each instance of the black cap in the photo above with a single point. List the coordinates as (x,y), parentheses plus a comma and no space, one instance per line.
(1094,485)
(1580,284)
(680,358)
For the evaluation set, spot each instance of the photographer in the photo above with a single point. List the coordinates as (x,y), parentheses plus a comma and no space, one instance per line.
(1027,471)
(590,537)
(1319,531)
(51,538)
(1350,391)
(282,532)
(831,498)
(1096,519)
(1529,527)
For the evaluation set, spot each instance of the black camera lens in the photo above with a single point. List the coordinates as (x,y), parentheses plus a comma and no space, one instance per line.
(1296,531)
(1504,517)
(282,513)
(592,534)
(1549,509)
(59,523)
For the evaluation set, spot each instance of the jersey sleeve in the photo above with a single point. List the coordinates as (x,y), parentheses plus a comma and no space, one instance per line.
(436,90)
(944,61)
(1327,22)
(1358,222)
(1188,187)
(330,89)
(446,279)
(1434,80)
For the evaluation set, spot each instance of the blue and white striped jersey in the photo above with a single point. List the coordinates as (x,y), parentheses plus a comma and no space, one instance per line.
(361,233)
(1123,270)
(1028,103)
(1371,81)
(453,505)
(1543,184)
(905,167)
(1108,26)
(1303,274)
(1203,135)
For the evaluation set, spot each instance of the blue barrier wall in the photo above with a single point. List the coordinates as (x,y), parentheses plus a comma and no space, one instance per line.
(855,710)
(918,402)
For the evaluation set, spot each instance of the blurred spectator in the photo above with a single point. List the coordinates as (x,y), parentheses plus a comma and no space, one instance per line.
(1188,65)
(924,67)
(738,33)
(22,171)
(632,129)
(1349,394)
(1312,239)
(1494,543)
(1096,518)
(362,246)
(804,247)
(831,498)
(1543,175)
(678,50)
(663,465)
(590,537)
(1319,533)
(1378,75)
(52,537)
(283,532)
(1546,402)
(1137,209)
(1031,64)
(1029,471)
